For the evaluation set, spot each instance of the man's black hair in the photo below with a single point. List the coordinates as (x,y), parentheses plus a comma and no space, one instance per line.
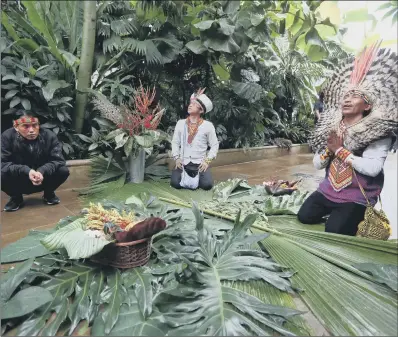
(38,145)
(21,112)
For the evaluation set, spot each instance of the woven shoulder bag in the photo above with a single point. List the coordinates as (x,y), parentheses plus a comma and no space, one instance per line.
(375,224)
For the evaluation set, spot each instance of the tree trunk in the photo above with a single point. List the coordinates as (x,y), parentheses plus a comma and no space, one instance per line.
(86,62)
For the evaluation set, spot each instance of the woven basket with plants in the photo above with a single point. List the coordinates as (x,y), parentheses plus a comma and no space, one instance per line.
(108,236)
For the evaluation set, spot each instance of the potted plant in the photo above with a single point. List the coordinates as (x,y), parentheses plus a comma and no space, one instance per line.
(136,128)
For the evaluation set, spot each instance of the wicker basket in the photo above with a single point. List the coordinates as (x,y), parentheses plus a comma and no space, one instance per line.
(125,255)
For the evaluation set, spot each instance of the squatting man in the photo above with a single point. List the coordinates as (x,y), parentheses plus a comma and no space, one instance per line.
(31,162)
(192,137)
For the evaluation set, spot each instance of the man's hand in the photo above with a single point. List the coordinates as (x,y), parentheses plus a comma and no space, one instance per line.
(35,177)
(39,177)
(335,141)
(179,164)
(203,167)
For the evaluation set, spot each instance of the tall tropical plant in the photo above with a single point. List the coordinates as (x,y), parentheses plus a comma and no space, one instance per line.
(86,64)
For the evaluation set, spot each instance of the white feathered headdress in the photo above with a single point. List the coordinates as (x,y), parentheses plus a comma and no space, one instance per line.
(374,73)
(204,101)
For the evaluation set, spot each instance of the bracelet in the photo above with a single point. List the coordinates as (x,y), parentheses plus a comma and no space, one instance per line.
(208,160)
(326,154)
(343,154)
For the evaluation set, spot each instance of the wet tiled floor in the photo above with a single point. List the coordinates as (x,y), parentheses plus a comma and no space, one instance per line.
(36,215)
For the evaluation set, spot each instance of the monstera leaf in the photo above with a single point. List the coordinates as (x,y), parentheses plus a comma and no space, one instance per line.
(75,240)
(211,306)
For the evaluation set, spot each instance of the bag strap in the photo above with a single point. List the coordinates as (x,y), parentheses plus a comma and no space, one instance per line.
(183,136)
(363,191)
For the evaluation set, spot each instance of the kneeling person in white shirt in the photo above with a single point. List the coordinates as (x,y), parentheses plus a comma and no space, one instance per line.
(191,139)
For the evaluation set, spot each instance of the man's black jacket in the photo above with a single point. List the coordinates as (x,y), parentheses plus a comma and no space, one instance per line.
(19,155)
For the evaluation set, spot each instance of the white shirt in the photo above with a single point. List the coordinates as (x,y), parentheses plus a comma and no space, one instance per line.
(371,163)
(196,151)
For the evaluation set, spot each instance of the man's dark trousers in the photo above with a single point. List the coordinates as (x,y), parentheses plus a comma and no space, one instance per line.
(17,185)
(205,178)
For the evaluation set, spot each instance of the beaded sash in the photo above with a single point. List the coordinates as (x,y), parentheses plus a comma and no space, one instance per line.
(340,173)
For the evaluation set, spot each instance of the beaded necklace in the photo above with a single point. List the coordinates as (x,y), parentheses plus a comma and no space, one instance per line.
(193,129)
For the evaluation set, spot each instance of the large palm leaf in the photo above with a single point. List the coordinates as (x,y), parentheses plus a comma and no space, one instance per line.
(331,269)
(124,30)
(345,303)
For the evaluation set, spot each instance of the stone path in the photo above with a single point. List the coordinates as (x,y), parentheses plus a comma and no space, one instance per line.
(36,215)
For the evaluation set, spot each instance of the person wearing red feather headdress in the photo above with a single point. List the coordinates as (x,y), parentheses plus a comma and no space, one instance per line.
(352,139)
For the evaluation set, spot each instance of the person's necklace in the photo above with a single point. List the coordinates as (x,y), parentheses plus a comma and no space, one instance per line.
(192,122)
(193,129)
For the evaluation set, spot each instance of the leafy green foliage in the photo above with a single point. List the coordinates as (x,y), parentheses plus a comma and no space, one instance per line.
(75,240)
(211,306)
(261,90)
(206,275)
(38,70)
(25,248)
(106,301)
(385,274)
(26,300)
(286,204)
(391,11)
(331,288)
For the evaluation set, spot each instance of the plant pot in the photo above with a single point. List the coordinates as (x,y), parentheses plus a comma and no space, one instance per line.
(137,166)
